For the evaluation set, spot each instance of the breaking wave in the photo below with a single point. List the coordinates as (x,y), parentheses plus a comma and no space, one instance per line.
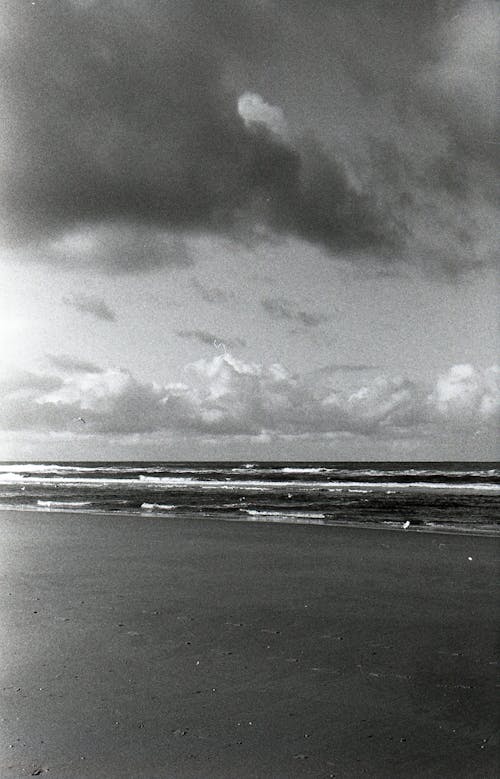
(64,503)
(158,506)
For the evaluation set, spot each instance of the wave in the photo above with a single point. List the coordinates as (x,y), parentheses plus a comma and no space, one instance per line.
(154,479)
(48,468)
(189,482)
(64,503)
(282,517)
(156,506)
(394,472)
(306,470)
(292,514)
(416,485)
(347,485)
(341,469)
(44,468)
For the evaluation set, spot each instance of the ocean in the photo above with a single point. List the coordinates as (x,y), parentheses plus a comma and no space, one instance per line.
(457,496)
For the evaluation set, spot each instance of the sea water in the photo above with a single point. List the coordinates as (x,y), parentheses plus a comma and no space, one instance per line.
(453,495)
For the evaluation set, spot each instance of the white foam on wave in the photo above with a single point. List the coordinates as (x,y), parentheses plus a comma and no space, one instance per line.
(45,468)
(305,470)
(189,482)
(291,514)
(178,468)
(367,486)
(155,479)
(247,469)
(63,503)
(283,517)
(415,485)
(161,506)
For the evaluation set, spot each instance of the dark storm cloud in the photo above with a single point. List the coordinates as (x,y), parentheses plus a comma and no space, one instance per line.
(435,60)
(68,364)
(124,133)
(121,112)
(426,79)
(459,87)
(92,305)
(279,308)
(209,339)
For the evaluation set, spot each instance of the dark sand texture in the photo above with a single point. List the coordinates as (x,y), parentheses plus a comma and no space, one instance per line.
(146,648)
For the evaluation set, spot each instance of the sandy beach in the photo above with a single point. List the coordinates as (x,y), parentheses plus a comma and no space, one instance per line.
(182,649)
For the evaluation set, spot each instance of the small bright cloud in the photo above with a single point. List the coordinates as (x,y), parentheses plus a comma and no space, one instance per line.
(465,393)
(254,110)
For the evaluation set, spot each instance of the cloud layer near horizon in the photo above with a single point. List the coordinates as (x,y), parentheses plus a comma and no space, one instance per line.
(132,125)
(225,396)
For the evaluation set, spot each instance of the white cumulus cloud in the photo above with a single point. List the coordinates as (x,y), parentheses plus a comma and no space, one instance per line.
(227,396)
(466,394)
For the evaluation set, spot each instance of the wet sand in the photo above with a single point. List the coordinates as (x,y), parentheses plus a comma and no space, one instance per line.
(182,649)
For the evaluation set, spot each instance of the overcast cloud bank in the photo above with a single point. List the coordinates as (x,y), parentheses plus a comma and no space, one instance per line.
(224,396)
(132,125)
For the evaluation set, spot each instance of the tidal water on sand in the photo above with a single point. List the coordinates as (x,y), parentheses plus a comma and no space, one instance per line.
(453,495)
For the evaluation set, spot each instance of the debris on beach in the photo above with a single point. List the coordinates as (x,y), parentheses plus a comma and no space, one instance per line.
(406,525)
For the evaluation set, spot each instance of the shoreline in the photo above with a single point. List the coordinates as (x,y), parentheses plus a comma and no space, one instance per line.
(212,650)
(483,532)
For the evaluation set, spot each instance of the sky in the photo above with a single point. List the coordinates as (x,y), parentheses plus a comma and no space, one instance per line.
(248,229)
